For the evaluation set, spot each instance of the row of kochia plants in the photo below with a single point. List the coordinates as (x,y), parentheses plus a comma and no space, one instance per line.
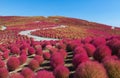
(92,58)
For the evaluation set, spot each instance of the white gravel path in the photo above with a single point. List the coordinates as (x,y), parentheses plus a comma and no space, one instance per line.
(37,38)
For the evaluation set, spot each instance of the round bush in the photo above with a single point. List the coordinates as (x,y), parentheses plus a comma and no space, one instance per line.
(13,63)
(63,53)
(114,44)
(56,59)
(33,64)
(27,73)
(2,64)
(99,41)
(16,75)
(31,50)
(61,72)
(113,68)
(61,46)
(90,70)
(38,58)
(3,73)
(39,52)
(90,49)
(23,59)
(15,50)
(101,52)
(44,74)
(79,58)
(5,55)
(79,50)
(46,55)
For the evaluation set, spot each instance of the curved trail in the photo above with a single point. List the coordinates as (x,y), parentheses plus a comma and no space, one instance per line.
(37,38)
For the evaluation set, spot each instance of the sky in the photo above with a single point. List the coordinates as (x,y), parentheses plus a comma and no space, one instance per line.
(101,11)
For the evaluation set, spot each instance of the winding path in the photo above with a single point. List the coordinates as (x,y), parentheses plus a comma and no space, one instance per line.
(37,38)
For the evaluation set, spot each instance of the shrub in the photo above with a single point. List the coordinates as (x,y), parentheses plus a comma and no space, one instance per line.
(53,50)
(5,55)
(110,57)
(99,41)
(90,49)
(113,68)
(118,54)
(23,59)
(2,64)
(61,46)
(33,64)
(24,52)
(44,74)
(48,47)
(46,55)
(56,59)
(24,45)
(87,40)
(31,50)
(3,73)
(13,63)
(90,70)
(37,46)
(79,50)
(15,50)
(38,58)
(79,58)
(39,52)
(61,72)
(73,44)
(102,52)
(63,52)
(16,75)
(27,72)
(114,44)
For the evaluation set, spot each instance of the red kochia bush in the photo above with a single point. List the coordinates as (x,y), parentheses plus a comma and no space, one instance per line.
(61,46)
(114,44)
(31,50)
(87,40)
(3,73)
(5,55)
(118,54)
(2,64)
(44,74)
(53,50)
(46,55)
(99,41)
(90,49)
(33,64)
(56,59)
(73,44)
(113,68)
(16,75)
(23,59)
(90,70)
(38,58)
(48,47)
(13,63)
(27,73)
(39,51)
(79,58)
(79,50)
(61,72)
(15,50)
(102,52)
(63,52)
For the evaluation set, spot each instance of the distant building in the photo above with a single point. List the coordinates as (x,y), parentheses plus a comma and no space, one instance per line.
(112,27)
